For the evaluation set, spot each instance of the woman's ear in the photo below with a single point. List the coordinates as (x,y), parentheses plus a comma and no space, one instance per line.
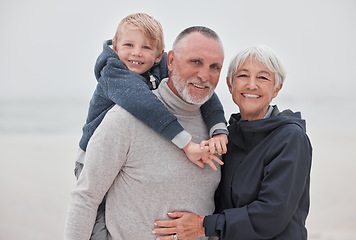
(276,91)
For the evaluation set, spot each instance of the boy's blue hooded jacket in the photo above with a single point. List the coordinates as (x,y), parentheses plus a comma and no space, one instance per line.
(118,85)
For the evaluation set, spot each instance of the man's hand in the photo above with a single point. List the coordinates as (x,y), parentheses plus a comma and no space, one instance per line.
(185,225)
(200,155)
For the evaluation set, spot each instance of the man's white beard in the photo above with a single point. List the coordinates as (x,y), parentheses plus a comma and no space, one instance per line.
(182,89)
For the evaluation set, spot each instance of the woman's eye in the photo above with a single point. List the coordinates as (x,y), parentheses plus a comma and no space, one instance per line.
(241,76)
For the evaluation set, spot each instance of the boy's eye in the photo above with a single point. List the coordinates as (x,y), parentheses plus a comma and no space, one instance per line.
(146,47)
(128,44)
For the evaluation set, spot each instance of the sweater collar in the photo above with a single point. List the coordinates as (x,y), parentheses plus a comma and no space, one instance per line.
(174,103)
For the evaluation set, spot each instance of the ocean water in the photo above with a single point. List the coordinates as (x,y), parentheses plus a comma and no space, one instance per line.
(43,115)
(68,114)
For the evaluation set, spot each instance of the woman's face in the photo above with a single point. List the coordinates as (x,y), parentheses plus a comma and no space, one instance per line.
(252,89)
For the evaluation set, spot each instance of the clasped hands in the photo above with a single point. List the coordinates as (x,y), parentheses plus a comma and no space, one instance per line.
(205,151)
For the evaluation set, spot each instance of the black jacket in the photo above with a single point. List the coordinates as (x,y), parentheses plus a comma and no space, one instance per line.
(264,189)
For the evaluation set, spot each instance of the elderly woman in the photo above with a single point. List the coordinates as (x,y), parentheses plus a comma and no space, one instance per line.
(264,189)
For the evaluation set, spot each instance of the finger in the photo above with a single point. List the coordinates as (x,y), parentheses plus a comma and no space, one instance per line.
(175,214)
(200,164)
(211,164)
(165,223)
(168,237)
(164,231)
(216,159)
(212,147)
(224,148)
(203,144)
(218,147)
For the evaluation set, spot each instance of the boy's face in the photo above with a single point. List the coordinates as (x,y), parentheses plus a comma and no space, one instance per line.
(136,51)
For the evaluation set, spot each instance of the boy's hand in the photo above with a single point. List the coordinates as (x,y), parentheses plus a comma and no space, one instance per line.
(217,144)
(200,155)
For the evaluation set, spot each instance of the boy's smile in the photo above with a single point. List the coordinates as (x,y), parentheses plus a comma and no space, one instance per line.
(136,51)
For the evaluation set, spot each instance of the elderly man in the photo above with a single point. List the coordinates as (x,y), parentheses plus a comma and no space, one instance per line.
(124,156)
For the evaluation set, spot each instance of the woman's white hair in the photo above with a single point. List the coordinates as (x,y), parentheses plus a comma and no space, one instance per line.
(263,54)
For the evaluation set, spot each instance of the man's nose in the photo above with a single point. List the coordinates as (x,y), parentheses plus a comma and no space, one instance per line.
(204,74)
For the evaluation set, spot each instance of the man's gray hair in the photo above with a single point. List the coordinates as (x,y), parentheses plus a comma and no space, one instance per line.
(263,54)
(201,29)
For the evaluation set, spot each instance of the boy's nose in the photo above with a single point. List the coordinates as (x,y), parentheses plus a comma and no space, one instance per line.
(136,52)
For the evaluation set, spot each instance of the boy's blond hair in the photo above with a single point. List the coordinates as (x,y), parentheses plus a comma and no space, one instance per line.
(150,27)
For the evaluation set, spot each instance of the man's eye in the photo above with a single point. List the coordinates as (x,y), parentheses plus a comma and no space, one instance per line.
(215,67)
(195,61)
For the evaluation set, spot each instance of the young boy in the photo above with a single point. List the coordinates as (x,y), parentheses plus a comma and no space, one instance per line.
(127,72)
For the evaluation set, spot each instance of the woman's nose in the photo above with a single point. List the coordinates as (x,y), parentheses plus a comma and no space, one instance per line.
(252,84)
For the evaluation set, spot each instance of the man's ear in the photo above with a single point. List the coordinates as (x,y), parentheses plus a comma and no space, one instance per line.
(170,57)
(159,57)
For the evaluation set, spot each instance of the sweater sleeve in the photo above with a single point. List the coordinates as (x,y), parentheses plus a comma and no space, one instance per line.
(105,156)
(213,115)
(285,179)
(129,90)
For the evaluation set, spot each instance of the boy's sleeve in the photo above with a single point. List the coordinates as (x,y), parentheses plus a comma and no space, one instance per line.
(129,90)
(213,115)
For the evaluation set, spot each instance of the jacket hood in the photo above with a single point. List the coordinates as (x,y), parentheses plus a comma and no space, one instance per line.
(105,55)
(255,131)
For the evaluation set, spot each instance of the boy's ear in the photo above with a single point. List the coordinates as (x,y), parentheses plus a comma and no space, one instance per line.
(114,46)
(159,57)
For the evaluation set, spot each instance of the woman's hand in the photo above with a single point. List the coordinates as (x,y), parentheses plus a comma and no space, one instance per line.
(185,226)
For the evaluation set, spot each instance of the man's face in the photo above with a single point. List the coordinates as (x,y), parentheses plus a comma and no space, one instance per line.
(136,51)
(195,67)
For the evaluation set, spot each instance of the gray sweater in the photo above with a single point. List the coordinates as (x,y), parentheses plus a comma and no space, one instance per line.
(145,175)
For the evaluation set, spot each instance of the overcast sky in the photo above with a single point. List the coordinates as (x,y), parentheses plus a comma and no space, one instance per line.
(48,48)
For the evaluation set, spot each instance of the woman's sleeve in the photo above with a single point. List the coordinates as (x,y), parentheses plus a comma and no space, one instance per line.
(129,90)
(213,115)
(283,185)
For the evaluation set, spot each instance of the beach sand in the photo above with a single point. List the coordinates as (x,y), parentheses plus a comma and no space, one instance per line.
(36,177)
